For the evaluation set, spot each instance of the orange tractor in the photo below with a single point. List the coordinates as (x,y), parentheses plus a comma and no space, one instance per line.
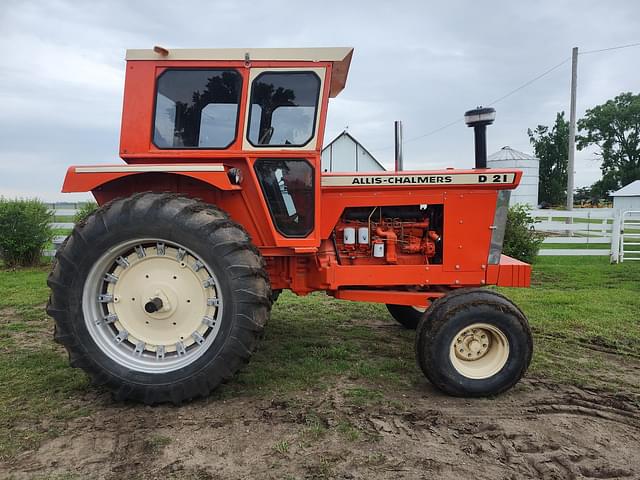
(163,293)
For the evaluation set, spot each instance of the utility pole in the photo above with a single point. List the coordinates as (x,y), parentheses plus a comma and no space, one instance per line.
(572,129)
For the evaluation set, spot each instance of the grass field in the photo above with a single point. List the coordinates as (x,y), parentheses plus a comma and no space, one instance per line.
(583,311)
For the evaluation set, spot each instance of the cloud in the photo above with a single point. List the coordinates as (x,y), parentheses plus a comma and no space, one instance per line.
(424,63)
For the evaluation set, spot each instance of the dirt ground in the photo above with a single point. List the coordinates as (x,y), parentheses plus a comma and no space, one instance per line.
(538,430)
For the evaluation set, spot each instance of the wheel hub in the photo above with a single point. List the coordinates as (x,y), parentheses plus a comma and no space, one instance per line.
(169,288)
(473,344)
(156,303)
(479,351)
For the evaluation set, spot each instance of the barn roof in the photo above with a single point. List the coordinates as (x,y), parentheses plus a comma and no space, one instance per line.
(631,190)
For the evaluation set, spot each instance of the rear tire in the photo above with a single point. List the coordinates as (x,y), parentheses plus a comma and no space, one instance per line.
(476,343)
(407,316)
(159,297)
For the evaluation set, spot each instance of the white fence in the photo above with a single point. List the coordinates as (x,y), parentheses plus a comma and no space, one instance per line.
(61,210)
(590,231)
(627,246)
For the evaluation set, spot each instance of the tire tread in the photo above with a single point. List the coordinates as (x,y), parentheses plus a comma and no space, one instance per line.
(451,304)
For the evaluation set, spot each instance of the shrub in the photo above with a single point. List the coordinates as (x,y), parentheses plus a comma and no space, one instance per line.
(24,231)
(521,241)
(84,211)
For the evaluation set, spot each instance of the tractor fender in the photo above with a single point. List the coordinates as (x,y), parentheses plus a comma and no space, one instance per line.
(85,178)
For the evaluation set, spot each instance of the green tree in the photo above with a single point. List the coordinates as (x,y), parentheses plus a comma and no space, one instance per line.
(583,194)
(614,127)
(601,188)
(551,146)
(592,194)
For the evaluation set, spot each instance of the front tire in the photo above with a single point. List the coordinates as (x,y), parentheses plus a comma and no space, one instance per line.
(476,343)
(407,316)
(159,297)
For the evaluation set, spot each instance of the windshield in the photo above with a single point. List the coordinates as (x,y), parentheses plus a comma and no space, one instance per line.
(283,108)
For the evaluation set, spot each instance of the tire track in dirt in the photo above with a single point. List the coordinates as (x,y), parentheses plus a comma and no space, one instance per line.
(620,410)
(534,455)
(536,431)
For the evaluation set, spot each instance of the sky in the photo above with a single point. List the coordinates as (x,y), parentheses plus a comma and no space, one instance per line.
(422,62)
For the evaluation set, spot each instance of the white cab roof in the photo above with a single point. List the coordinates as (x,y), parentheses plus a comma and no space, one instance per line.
(339,56)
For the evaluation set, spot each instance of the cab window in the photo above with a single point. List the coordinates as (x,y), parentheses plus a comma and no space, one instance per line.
(196,108)
(287,186)
(283,109)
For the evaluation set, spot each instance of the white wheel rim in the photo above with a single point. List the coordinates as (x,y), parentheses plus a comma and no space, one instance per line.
(420,309)
(118,302)
(479,351)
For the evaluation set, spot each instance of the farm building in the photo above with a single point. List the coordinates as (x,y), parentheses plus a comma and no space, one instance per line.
(345,154)
(527,191)
(627,198)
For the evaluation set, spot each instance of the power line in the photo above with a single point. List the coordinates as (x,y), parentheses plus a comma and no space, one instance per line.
(618,47)
(459,119)
(515,90)
(526,84)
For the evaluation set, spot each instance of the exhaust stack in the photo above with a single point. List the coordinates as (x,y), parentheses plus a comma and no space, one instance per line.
(398,145)
(479,119)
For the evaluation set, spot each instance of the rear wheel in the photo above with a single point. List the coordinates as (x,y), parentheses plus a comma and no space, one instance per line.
(159,297)
(476,343)
(407,316)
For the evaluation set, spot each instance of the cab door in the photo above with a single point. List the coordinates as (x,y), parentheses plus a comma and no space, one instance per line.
(282,132)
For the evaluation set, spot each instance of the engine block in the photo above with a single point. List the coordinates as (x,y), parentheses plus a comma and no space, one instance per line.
(405,235)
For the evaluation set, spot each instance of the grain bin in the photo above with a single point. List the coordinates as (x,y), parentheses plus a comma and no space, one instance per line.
(527,191)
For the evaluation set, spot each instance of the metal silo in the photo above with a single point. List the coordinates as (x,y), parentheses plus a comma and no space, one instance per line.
(527,191)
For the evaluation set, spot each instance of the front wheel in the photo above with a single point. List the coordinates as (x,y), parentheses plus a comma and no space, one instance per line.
(159,297)
(407,316)
(476,343)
